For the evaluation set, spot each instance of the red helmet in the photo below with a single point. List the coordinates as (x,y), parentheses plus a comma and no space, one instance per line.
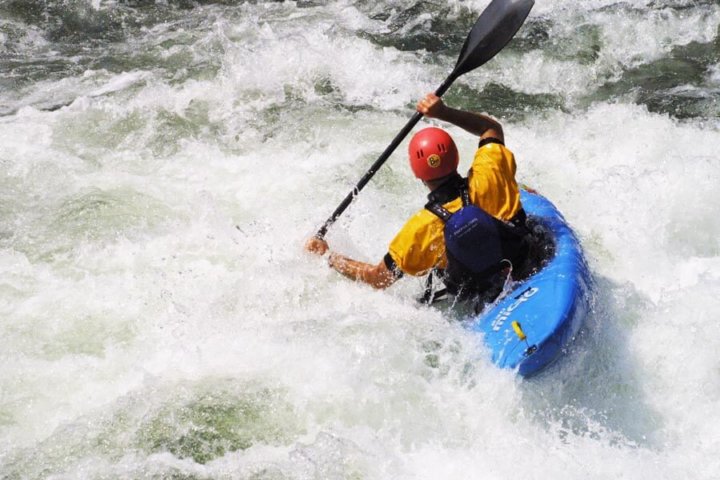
(433,154)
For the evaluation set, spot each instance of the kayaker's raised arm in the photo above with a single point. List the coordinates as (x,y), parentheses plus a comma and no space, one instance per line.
(478,124)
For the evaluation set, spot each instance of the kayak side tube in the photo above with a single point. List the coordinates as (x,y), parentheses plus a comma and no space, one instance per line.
(530,327)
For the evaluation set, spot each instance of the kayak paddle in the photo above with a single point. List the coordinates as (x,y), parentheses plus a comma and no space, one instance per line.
(495,27)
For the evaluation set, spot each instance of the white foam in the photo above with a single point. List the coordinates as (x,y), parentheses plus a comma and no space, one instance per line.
(151,247)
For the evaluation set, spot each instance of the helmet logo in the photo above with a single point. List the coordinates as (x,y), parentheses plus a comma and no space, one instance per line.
(434,160)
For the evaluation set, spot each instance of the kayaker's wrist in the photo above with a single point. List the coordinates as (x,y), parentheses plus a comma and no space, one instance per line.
(443,112)
(338,262)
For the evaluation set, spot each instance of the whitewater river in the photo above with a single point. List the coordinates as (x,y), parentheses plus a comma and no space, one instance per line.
(163,162)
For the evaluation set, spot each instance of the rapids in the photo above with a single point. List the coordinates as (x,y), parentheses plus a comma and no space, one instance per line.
(163,162)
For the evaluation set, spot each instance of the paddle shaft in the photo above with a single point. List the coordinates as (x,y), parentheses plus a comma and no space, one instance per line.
(380,161)
(495,27)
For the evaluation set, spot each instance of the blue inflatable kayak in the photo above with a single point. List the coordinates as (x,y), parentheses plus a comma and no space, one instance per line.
(532,325)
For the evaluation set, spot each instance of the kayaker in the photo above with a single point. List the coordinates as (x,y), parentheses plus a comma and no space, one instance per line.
(498,235)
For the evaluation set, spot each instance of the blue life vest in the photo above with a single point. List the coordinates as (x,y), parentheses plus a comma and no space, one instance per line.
(472,238)
(478,245)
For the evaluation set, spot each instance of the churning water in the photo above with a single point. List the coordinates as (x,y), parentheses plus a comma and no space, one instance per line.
(163,162)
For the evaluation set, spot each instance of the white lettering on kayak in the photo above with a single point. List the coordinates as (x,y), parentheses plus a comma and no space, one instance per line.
(505,312)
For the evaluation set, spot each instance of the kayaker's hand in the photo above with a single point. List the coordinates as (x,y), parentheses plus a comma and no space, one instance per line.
(431,106)
(318,246)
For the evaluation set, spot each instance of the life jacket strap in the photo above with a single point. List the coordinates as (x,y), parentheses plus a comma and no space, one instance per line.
(465,193)
(430,296)
(440,211)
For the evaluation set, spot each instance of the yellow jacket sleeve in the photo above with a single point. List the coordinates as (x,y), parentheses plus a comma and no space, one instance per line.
(492,181)
(419,245)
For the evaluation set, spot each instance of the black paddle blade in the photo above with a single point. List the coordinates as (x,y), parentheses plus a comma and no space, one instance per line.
(497,25)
